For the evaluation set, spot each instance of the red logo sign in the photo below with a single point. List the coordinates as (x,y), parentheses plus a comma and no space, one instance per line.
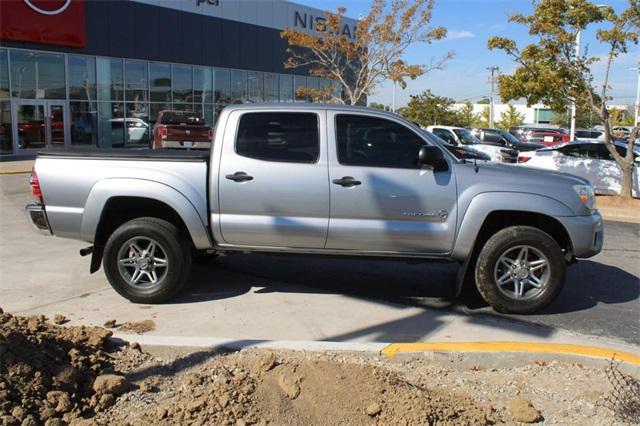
(59,22)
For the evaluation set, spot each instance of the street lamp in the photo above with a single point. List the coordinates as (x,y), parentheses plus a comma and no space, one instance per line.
(637,106)
(573,102)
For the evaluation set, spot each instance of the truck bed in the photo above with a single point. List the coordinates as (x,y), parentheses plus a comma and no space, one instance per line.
(130,154)
(77,184)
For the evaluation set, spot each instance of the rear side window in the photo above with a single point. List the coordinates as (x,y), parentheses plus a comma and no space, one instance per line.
(284,136)
(376,142)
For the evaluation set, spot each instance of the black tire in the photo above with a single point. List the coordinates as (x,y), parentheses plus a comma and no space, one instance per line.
(512,238)
(172,243)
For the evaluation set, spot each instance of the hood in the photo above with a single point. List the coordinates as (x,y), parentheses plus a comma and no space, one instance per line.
(500,177)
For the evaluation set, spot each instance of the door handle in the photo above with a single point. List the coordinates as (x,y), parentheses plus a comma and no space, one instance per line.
(347,181)
(239,177)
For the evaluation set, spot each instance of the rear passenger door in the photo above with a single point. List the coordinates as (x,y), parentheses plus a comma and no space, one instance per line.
(273,186)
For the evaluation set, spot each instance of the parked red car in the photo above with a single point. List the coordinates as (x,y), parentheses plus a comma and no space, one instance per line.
(182,130)
(547,138)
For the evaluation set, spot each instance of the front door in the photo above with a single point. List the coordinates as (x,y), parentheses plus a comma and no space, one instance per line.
(273,187)
(39,125)
(381,201)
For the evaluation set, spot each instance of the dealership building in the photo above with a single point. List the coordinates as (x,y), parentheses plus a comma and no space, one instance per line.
(95,73)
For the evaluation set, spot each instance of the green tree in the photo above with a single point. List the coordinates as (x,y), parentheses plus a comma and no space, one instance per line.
(551,72)
(510,118)
(483,118)
(376,105)
(427,109)
(465,117)
(484,101)
(620,117)
(584,118)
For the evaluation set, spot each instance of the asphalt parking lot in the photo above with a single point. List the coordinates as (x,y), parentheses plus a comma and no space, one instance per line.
(288,298)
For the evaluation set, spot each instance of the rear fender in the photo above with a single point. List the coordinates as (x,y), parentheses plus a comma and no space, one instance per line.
(105,189)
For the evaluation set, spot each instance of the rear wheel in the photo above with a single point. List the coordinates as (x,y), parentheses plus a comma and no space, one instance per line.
(147,260)
(520,270)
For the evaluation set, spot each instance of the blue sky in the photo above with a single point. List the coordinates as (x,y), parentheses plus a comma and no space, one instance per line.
(470,23)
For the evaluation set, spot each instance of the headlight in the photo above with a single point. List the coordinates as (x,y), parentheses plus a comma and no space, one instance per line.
(586,195)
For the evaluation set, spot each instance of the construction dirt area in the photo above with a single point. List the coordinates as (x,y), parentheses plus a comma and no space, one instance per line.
(55,374)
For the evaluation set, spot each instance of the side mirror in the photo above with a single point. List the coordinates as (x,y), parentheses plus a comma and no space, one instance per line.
(431,156)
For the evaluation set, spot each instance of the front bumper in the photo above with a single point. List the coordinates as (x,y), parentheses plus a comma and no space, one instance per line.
(38,218)
(586,233)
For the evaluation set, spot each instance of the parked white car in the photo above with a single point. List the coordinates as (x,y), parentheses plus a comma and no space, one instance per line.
(461,136)
(588,159)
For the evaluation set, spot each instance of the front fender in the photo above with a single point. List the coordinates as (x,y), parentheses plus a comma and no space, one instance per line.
(471,220)
(106,189)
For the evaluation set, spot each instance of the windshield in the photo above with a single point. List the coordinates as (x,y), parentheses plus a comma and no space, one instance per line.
(466,137)
(510,138)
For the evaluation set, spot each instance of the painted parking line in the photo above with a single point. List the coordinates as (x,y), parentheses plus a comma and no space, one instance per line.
(554,348)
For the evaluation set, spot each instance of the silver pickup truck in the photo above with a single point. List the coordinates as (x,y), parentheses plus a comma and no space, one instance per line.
(318,180)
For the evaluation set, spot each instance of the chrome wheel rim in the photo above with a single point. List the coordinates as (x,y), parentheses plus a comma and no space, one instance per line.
(522,272)
(142,262)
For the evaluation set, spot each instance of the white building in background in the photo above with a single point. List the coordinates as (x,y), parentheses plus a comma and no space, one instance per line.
(534,114)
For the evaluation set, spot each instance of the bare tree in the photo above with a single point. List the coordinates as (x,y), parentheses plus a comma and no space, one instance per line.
(375,52)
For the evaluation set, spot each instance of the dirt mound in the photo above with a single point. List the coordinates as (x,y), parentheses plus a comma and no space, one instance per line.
(48,372)
(253,388)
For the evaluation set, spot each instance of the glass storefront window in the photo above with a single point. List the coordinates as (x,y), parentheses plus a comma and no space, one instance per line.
(37,75)
(299,82)
(202,85)
(137,130)
(271,87)
(182,107)
(6,134)
(205,111)
(160,82)
(135,74)
(84,123)
(4,74)
(222,85)
(255,87)
(182,83)
(337,89)
(82,77)
(110,125)
(286,88)
(238,86)
(110,79)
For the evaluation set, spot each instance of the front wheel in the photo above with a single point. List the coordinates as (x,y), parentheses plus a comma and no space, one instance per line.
(147,260)
(520,270)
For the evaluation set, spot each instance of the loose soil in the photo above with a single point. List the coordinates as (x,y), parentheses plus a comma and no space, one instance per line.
(52,374)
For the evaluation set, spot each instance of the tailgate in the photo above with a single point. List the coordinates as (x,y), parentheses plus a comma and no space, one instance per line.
(188,133)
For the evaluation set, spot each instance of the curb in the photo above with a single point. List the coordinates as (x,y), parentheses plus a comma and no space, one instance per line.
(19,172)
(389,350)
(501,347)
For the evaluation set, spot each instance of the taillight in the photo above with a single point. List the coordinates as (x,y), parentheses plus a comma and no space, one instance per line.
(163,133)
(35,186)
(523,159)
(210,134)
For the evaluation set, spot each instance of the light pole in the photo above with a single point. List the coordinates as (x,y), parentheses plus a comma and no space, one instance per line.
(491,106)
(637,105)
(393,97)
(573,101)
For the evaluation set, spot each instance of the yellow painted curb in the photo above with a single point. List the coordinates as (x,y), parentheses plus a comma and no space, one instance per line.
(555,348)
(15,173)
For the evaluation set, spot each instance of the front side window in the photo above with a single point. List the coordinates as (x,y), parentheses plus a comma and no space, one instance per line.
(284,136)
(376,142)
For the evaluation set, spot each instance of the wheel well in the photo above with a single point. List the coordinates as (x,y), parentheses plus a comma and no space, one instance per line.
(119,210)
(498,220)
